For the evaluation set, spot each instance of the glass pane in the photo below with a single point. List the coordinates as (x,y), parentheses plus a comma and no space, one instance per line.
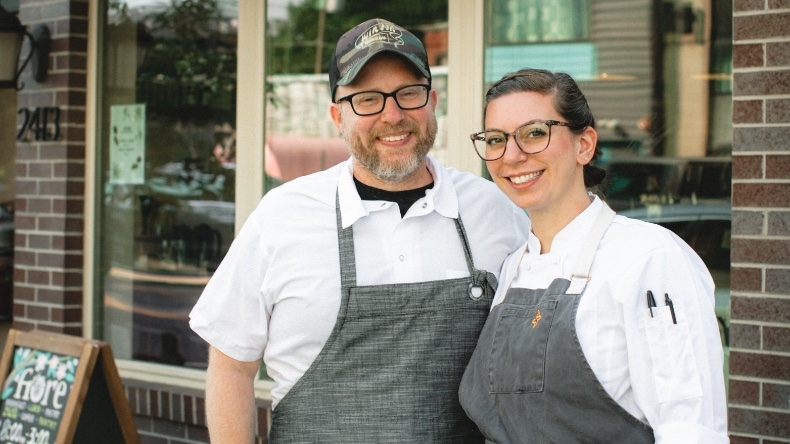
(167,144)
(522,21)
(300,136)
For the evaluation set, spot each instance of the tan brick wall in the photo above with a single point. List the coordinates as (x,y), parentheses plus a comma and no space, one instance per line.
(759,392)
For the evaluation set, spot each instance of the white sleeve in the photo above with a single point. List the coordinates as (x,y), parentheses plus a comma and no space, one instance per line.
(231,313)
(676,366)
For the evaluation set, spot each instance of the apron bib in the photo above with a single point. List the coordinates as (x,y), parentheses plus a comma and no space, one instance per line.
(528,380)
(391,368)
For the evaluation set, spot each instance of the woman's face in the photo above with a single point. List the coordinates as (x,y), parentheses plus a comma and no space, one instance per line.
(551,180)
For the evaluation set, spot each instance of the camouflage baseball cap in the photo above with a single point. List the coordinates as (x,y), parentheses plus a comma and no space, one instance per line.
(357,46)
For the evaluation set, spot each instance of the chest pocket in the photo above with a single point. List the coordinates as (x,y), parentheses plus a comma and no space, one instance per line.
(518,353)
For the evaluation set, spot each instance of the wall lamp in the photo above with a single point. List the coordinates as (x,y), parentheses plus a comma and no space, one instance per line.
(12,33)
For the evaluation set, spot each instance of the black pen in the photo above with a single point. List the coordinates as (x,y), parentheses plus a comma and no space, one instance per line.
(671,308)
(651,302)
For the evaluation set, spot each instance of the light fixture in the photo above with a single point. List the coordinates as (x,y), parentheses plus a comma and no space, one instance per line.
(12,33)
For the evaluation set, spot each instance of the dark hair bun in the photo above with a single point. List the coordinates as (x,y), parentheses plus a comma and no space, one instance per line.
(593,175)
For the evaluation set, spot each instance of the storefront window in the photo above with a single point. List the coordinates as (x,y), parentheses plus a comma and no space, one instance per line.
(167,146)
(167,170)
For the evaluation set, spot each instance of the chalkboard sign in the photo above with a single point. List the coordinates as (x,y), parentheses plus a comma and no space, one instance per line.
(61,389)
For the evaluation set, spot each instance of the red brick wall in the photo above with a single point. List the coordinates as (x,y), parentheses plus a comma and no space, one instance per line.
(760,329)
(162,413)
(50,178)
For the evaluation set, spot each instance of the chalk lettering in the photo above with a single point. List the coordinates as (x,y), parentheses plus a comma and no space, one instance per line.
(23,385)
(10,412)
(37,389)
(12,432)
(37,436)
(27,417)
(16,403)
(48,423)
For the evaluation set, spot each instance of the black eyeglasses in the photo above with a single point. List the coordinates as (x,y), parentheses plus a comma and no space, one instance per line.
(367,103)
(531,138)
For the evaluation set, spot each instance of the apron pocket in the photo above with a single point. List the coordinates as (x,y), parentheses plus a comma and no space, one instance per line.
(518,351)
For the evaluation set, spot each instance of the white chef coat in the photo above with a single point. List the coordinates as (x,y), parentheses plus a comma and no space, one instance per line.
(668,375)
(276,294)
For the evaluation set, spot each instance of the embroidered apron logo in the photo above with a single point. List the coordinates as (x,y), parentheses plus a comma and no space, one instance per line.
(379,33)
(536,319)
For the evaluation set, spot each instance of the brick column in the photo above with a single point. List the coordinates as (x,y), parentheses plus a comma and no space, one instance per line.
(759,393)
(50,177)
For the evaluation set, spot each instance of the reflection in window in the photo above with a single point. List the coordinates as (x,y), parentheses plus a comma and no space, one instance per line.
(530,21)
(167,155)
(658,79)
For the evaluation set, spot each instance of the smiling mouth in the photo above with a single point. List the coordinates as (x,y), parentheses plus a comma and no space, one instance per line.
(397,138)
(518,180)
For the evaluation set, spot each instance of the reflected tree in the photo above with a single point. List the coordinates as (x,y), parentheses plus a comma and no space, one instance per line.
(191,61)
(293,40)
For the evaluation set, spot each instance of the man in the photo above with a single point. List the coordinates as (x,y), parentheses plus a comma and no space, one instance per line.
(363,287)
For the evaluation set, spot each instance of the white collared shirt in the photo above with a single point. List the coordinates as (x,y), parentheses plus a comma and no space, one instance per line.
(675,385)
(276,294)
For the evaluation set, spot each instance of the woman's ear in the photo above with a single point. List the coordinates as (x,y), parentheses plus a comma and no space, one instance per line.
(588,140)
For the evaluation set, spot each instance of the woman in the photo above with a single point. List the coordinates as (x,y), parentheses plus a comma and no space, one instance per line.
(603,327)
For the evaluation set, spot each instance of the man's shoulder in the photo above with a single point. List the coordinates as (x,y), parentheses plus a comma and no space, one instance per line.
(317,187)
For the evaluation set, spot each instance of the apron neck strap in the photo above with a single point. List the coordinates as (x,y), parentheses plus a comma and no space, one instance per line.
(581,270)
(345,236)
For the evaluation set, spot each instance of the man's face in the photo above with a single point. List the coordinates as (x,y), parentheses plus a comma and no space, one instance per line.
(388,148)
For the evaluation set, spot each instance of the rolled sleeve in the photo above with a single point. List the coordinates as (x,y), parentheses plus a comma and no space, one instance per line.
(231,314)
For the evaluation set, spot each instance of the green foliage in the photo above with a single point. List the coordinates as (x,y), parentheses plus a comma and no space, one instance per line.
(190,61)
(292,42)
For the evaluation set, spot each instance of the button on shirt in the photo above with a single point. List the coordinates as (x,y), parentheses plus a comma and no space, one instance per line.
(276,294)
(681,402)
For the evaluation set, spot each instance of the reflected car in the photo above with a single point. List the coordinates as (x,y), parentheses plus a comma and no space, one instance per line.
(706,227)
(635,181)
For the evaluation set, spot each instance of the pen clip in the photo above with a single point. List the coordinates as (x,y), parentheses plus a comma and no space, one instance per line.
(651,302)
(671,308)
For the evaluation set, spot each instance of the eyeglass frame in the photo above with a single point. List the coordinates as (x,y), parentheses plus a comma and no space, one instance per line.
(392,94)
(549,123)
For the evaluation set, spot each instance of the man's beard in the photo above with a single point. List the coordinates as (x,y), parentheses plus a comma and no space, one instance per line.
(388,170)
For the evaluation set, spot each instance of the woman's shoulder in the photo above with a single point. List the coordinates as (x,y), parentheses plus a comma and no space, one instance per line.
(640,237)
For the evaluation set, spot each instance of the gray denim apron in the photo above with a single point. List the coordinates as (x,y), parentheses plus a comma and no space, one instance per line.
(391,367)
(528,380)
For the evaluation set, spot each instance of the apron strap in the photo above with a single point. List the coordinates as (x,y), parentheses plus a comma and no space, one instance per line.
(581,270)
(345,242)
(459,227)
(345,237)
